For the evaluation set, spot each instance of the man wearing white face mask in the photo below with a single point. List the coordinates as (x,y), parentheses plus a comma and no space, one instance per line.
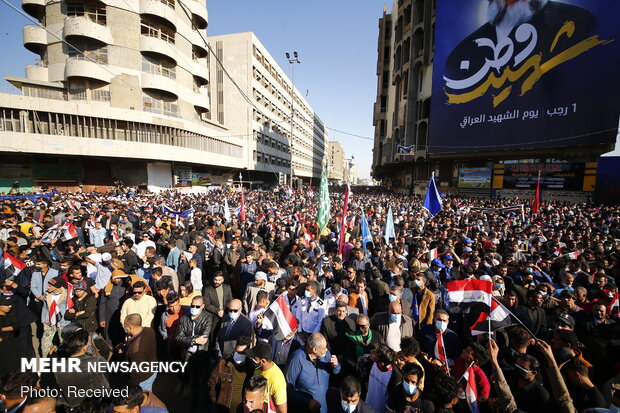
(193,336)
(392,325)
(234,324)
(427,336)
(348,398)
(311,310)
(229,377)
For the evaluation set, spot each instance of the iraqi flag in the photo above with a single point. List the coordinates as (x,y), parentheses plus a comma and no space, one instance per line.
(467,294)
(51,233)
(614,307)
(68,232)
(440,350)
(471,393)
(572,255)
(12,266)
(432,254)
(115,237)
(283,321)
(499,317)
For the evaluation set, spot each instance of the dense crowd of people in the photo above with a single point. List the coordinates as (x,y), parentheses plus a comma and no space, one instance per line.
(172,277)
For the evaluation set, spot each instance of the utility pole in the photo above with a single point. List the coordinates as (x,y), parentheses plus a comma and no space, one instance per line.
(292,61)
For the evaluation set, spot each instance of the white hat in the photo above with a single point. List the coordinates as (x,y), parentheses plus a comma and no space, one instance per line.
(106,257)
(260,275)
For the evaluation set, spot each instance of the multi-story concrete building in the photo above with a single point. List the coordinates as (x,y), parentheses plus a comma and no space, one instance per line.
(404,154)
(119,91)
(401,111)
(336,163)
(267,119)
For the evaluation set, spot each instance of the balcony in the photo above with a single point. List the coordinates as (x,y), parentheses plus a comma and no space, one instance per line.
(159,83)
(201,98)
(79,67)
(200,69)
(35,38)
(199,13)
(33,7)
(159,9)
(37,72)
(83,26)
(158,46)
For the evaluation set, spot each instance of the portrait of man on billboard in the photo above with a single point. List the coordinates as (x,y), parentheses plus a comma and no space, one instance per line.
(515,30)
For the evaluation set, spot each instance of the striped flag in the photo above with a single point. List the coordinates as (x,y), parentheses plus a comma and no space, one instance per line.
(432,254)
(471,393)
(115,237)
(12,266)
(572,255)
(499,317)
(440,349)
(614,307)
(68,232)
(345,209)
(283,321)
(50,234)
(467,294)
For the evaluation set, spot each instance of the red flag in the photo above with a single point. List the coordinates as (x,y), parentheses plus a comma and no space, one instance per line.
(12,266)
(471,392)
(536,204)
(242,210)
(69,295)
(440,350)
(614,307)
(68,232)
(344,218)
(281,318)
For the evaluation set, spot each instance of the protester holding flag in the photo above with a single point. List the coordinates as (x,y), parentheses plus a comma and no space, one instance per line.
(438,341)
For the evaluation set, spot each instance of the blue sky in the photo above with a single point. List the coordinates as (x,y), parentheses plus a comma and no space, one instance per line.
(336,40)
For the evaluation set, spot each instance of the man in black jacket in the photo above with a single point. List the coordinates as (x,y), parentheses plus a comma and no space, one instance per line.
(217,297)
(234,325)
(350,394)
(193,336)
(335,327)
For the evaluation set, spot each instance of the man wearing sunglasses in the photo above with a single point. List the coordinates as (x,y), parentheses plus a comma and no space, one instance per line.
(193,336)
(234,325)
(139,303)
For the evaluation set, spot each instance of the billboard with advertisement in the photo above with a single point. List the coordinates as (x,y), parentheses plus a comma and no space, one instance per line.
(201,179)
(474,178)
(562,176)
(524,74)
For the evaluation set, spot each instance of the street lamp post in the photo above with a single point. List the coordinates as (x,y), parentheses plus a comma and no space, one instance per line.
(292,61)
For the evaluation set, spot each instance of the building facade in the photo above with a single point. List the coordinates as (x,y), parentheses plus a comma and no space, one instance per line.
(266,119)
(403,155)
(336,163)
(119,91)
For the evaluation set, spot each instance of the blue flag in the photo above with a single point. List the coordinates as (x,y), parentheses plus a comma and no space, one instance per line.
(389,227)
(366,235)
(415,310)
(432,200)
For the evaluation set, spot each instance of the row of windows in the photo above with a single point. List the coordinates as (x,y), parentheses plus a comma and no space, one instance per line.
(273,72)
(274,143)
(273,160)
(92,12)
(50,123)
(159,66)
(158,31)
(161,106)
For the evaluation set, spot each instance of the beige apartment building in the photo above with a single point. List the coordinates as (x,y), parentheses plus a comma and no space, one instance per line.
(120,90)
(404,80)
(266,122)
(336,163)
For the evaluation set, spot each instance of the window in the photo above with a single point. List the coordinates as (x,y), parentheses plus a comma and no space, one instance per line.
(161,67)
(93,13)
(101,95)
(158,31)
(77,92)
(82,52)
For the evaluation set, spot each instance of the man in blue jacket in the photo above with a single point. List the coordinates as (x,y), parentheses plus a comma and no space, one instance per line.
(308,375)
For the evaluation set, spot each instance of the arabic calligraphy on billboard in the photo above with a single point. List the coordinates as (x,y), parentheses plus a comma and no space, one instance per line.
(524,74)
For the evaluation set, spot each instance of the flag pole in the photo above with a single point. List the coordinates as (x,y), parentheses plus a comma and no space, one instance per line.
(470,366)
(518,320)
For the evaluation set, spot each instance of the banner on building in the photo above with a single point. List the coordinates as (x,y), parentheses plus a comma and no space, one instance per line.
(184,175)
(201,179)
(474,178)
(557,176)
(524,74)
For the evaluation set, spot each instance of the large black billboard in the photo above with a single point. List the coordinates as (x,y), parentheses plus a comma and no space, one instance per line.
(514,74)
(559,176)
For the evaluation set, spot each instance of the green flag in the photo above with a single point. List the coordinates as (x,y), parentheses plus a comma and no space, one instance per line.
(324,202)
